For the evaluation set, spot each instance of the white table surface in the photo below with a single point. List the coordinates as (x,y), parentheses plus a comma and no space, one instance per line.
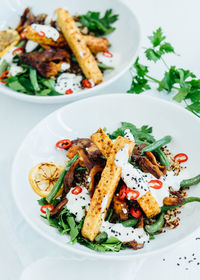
(180,20)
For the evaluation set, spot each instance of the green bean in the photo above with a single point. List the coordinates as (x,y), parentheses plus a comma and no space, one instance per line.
(162,158)
(157,144)
(101,237)
(21,43)
(151,229)
(3,66)
(190,182)
(105,67)
(165,208)
(59,182)
(130,223)
(33,79)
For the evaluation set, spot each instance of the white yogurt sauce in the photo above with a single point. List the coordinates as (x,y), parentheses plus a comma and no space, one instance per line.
(15,69)
(68,81)
(128,135)
(135,179)
(78,203)
(50,32)
(124,234)
(30,46)
(8,57)
(109,61)
(65,66)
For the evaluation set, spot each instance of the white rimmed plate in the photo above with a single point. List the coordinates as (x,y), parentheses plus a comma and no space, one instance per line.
(125,39)
(82,118)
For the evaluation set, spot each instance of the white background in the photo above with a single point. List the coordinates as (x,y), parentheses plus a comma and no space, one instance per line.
(180,21)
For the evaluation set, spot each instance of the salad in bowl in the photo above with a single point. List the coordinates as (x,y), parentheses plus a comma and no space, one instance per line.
(116,190)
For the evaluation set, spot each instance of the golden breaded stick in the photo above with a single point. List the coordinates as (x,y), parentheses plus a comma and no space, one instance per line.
(96,44)
(102,141)
(33,35)
(149,205)
(75,41)
(104,192)
(147,202)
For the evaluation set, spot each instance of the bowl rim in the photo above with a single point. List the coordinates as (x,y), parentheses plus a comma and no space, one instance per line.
(70,98)
(71,248)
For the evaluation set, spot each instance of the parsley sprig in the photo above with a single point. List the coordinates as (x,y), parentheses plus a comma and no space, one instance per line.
(99,25)
(183,82)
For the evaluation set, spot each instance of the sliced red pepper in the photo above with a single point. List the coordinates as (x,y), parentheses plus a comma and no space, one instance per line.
(122,192)
(22,35)
(107,54)
(64,144)
(87,83)
(132,194)
(181,157)
(135,213)
(155,184)
(69,91)
(77,190)
(41,34)
(18,51)
(4,75)
(44,207)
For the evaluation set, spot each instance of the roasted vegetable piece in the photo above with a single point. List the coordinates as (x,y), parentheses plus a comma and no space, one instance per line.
(78,46)
(120,208)
(8,39)
(173,200)
(96,44)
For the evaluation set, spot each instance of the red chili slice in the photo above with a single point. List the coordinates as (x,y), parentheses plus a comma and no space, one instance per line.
(44,207)
(18,51)
(135,213)
(107,54)
(87,83)
(4,75)
(132,194)
(22,35)
(122,192)
(64,144)
(69,91)
(41,34)
(155,184)
(181,157)
(77,190)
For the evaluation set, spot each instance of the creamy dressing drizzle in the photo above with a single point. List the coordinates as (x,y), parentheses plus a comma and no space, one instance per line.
(8,57)
(15,69)
(135,179)
(50,32)
(128,135)
(68,81)
(30,46)
(124,234)
(109,61)
(78,204)
(65,66)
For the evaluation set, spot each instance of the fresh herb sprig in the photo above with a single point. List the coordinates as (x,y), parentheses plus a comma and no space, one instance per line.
(183,82)
(99,25)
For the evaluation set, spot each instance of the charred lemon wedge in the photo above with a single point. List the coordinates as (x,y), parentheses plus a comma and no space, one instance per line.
(8,39)
(43,177)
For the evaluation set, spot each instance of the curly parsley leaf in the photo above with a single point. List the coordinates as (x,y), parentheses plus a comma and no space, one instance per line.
(100,26)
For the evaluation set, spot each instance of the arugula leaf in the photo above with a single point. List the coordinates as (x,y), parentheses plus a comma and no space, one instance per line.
(100,26)
(14,84)
(142,134)
(157,37)
(43,201)
(73,228)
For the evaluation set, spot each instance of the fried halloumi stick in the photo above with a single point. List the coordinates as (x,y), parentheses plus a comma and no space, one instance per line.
(104,192)
(147,202)
(31,34)
(75,41)
(96,44)
(102,141)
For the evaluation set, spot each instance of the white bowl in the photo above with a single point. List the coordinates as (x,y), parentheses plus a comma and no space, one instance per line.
(107,111)
(125,39)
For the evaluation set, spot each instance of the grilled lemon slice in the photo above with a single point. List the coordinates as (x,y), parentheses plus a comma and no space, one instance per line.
(43,177)
(8,39)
